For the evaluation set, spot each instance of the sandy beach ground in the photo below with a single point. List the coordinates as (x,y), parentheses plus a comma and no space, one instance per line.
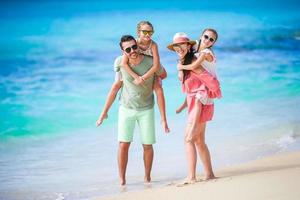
(274,177)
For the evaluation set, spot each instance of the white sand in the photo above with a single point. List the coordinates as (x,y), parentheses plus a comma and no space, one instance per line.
(274,178)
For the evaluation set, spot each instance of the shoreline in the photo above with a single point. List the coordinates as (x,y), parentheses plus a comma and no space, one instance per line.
(271,177)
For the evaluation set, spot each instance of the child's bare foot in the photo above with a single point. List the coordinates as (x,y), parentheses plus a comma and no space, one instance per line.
(165,126)
(101,119)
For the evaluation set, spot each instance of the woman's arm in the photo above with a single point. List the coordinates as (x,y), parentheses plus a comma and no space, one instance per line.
(182,107)
(156,62)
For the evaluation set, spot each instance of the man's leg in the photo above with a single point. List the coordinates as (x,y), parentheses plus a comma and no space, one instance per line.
(122,160)
(126,124)
(148,160)
(145,121)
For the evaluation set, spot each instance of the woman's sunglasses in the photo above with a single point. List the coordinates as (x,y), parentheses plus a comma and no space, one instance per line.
(210,39)
(133,47)
(145,32)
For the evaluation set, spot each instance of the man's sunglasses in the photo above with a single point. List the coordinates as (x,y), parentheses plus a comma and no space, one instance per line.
(210,39)
(133,47)
(145,32)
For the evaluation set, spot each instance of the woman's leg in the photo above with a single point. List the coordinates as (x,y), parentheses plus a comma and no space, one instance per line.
(204,152)
(161,103)
(190,136)
(199,139)
(191,155)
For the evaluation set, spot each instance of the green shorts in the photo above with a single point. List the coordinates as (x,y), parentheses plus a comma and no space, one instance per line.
(126,123)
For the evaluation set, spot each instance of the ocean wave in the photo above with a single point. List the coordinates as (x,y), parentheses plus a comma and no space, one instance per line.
(286,140)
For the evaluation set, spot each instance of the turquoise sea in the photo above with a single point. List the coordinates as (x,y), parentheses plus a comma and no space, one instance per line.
(56,68)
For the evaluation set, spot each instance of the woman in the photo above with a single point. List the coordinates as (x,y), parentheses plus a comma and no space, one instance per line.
(200,87)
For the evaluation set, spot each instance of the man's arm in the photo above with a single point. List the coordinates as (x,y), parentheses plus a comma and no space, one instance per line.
(109,101)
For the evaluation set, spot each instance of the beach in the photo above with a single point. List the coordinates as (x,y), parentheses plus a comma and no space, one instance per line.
(274,177)
(57,61)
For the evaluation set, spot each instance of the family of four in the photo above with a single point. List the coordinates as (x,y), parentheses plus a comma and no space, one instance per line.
(138,72)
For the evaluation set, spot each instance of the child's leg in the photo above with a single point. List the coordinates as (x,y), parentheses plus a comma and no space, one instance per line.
(161,103)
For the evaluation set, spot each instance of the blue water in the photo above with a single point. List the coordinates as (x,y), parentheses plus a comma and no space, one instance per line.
(56,70)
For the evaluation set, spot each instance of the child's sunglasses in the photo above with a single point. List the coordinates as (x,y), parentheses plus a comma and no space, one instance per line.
(210,39)
(145,32)
(133,47)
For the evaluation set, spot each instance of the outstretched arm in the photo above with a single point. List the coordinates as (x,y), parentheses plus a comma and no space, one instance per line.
(156,62)
(109,101)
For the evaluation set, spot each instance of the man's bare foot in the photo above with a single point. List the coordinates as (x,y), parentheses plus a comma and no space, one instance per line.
(165,126)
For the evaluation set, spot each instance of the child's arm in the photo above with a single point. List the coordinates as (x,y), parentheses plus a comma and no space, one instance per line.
(136,77)
(197,63)
(109,101)
(182,107)
(156,62)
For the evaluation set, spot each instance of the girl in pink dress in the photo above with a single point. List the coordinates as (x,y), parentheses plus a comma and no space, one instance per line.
(201,87)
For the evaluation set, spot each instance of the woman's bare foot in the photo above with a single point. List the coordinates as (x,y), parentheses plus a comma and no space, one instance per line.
(209,177)
(187,181)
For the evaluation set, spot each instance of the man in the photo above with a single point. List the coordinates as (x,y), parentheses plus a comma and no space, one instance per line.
(136,105)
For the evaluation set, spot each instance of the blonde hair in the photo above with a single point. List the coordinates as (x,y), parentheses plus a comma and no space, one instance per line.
(141,23)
